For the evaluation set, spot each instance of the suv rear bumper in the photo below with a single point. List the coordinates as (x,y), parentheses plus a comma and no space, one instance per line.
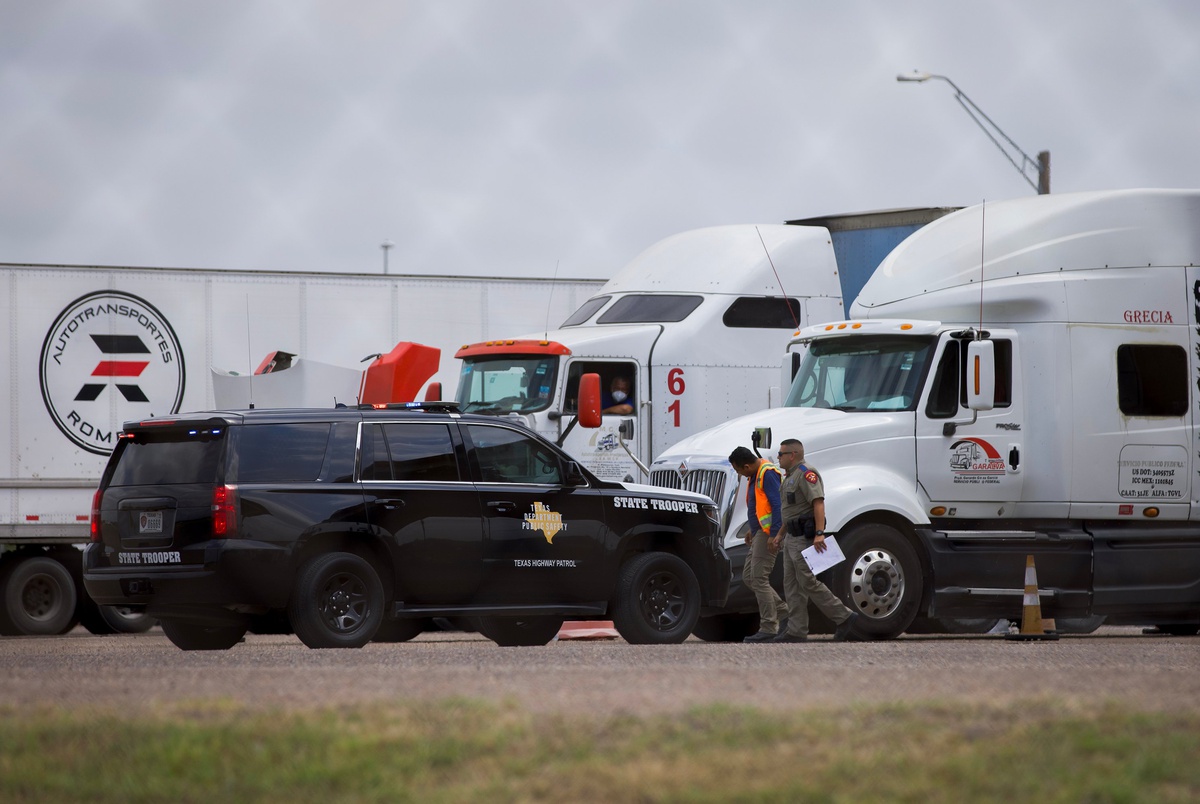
(234,573)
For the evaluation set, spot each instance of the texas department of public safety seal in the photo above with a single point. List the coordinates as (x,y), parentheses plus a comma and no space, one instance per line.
(108,358)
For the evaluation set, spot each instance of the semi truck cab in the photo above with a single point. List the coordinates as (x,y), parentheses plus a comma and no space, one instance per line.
(1043,403)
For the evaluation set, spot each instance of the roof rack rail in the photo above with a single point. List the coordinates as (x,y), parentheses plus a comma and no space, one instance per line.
(434,406)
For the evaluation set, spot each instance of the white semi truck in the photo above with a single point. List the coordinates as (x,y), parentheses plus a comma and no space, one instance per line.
(696,323)
(89,348)
(1015,379)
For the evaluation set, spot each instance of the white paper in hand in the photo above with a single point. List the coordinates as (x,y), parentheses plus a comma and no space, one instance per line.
(819,562)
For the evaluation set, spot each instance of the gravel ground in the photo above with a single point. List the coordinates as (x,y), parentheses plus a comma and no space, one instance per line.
(1155,673)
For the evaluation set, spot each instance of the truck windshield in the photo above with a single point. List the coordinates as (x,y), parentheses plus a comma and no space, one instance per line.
(862,373)
(500,384)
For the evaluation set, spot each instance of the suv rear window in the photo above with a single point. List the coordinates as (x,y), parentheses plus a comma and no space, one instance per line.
(279,453)
(168,457)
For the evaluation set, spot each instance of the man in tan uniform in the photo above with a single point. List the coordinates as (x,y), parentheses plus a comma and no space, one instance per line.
(803,500)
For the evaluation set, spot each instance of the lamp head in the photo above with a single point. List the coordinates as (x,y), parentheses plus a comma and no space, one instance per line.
(915,75)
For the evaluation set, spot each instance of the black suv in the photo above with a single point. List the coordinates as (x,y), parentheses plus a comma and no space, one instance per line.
(352,524)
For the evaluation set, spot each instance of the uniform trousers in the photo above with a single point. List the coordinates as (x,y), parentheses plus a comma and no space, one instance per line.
(756,575)
(800,586)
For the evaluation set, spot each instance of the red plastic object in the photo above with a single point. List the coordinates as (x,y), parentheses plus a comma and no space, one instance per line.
(399,375)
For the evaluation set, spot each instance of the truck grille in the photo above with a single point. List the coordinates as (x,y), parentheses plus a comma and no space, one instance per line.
(708,482)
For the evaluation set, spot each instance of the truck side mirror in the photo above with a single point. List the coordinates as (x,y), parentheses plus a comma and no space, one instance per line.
(433,393)
(625,429)
(589,401)
(981,375)
(761,438)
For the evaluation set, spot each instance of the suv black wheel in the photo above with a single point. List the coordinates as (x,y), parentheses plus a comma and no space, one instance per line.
(194,636)
(512,632)
(337,602)
(657,600)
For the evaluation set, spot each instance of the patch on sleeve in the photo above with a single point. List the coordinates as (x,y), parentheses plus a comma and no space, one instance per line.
(811,476)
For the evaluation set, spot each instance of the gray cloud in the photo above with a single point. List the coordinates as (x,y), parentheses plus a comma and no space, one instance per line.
(505,138)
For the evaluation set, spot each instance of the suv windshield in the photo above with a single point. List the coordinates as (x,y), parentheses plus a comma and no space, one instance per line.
(507,383)
(862,373)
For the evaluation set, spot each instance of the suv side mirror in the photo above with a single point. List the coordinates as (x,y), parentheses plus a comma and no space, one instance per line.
(981,375)
(575,476)
(589,401)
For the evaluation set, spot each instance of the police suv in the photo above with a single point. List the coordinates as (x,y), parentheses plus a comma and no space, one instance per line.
(352,524)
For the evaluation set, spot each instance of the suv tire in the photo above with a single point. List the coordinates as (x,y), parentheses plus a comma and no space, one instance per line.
(187,635)
(513,632)
(337,602)
(657,600)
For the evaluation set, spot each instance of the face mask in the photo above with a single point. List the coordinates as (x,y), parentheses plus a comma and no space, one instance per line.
(619,396)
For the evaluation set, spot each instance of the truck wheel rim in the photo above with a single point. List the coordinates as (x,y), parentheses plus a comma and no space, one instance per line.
(344,602)
(876,584)
(662,600)
(40,597)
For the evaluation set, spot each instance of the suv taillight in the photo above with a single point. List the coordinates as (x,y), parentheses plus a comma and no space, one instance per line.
(95,535)
(224,512)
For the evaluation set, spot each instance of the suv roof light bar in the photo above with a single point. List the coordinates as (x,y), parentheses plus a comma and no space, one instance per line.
(435,406)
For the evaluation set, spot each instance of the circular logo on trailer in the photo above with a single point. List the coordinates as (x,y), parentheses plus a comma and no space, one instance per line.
(108,358)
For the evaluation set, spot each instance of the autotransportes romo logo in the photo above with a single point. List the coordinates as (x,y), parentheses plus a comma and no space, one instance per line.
(109,357)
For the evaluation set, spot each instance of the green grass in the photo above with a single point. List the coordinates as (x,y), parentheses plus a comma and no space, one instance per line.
(471,751)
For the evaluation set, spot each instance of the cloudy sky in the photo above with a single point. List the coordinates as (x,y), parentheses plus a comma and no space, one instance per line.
(521,137)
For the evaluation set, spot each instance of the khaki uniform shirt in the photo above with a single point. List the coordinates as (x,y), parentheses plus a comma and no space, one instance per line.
(799,490)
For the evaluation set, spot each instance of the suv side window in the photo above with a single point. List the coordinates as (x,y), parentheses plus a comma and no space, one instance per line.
(279,453)
(408,452)
(508,456)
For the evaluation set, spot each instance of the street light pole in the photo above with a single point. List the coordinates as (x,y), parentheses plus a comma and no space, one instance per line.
(386,245)
(1040,166)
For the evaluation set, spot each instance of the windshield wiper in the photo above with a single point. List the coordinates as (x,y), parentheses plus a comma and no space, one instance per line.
(484,407)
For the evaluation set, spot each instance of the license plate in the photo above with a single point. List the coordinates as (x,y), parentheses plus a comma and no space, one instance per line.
(150,522)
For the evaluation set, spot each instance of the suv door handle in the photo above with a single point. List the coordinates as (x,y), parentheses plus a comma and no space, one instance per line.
(502,505)
(392,505)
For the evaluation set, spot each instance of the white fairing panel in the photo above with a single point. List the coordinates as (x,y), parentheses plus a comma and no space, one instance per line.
(1047,235)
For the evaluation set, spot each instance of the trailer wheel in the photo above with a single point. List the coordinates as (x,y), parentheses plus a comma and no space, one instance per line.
(337,602)
(514,632)
(880,579)
(657,600)
(187,635)
(38,597)
(726,627)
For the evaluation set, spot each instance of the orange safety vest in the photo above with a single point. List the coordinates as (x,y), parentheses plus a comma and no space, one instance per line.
(761,503)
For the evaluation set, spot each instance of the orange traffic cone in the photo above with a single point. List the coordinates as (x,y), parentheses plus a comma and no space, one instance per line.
(1032,624)
(588,629)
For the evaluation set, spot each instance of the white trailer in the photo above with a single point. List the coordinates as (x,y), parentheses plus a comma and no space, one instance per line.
(1073,439)
(89,348)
